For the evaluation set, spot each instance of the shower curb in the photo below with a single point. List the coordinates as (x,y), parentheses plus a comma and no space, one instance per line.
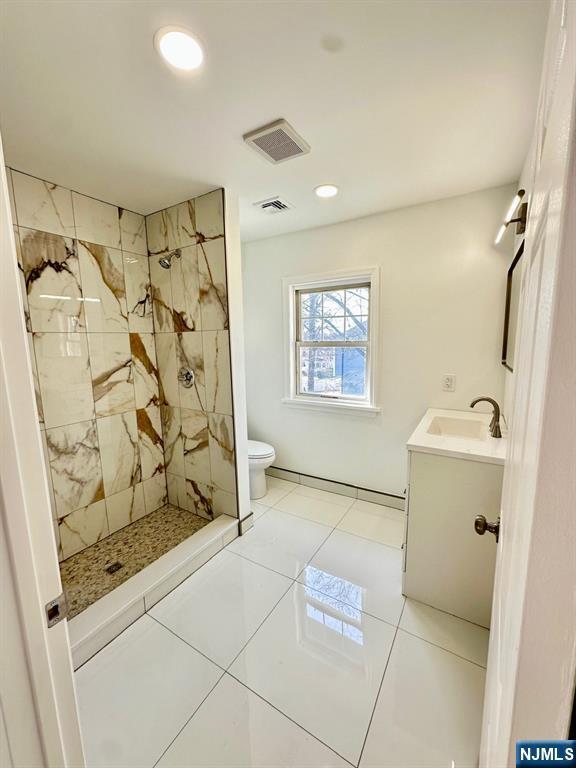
(105,619)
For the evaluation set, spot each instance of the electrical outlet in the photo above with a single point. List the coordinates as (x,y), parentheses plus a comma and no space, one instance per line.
(449,382)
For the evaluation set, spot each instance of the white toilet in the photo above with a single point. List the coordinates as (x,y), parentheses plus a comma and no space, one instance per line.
(260,457)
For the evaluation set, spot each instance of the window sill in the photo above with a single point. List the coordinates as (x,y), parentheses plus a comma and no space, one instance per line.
(331,405)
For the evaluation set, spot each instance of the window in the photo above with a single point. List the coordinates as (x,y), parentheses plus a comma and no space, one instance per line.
(331,340)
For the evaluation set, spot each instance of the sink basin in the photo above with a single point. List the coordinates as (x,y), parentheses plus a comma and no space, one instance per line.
(472,429)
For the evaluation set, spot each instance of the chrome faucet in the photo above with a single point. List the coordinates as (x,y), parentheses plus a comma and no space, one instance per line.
(495,423)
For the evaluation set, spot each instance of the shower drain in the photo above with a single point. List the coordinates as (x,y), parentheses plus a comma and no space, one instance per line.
(113,567)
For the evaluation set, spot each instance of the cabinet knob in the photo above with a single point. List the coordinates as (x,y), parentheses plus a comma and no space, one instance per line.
(481,525)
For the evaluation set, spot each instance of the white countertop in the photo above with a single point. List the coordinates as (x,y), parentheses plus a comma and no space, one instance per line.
(488,449)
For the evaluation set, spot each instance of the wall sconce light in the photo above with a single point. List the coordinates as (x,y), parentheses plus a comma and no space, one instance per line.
(520,220)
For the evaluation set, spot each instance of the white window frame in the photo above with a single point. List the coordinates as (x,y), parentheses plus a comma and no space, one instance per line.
(335,279)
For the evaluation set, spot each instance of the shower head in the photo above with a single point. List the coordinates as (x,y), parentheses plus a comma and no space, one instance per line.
(166,261)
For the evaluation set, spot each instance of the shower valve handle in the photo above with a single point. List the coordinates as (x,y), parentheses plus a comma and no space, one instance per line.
(186,377)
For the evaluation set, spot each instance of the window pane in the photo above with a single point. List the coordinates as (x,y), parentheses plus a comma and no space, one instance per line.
(354,371)
(333,370)
(334,303)
(311,329)
(357,328)
(333,329)
(311,304)
(357,301)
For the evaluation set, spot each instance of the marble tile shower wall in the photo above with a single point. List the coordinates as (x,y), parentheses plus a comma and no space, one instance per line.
(88,306)
(190,308)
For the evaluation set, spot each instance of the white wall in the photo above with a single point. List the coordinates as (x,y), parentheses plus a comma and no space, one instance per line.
(442,304)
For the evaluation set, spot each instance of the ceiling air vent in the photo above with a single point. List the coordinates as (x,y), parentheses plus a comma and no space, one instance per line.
(273,205)
(277,141)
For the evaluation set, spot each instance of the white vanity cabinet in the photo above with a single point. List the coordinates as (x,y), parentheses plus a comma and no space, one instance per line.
(452,478)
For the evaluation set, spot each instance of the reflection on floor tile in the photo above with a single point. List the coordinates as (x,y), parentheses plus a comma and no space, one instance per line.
(252,733)
(320,662)
(220,606)
(281,542)
(359,572)
(373,521)
(461,637)
(136,694)
(429,711)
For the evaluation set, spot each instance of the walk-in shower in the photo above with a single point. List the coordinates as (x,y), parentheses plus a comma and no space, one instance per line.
(127,320)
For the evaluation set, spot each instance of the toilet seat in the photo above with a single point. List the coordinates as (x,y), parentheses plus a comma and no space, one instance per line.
(259,450)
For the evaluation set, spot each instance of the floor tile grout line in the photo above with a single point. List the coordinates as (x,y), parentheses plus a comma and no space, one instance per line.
(221,677)
(255,562)
(295,722)
(441,647)
(186,642)
(270,612)
(379,689)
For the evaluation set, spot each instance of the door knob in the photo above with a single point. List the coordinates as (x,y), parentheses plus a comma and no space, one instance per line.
(481,525)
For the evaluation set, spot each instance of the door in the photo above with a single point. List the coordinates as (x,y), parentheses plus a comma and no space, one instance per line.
(40,721)
(532,660)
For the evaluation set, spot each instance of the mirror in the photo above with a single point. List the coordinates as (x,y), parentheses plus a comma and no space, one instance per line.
(511,312)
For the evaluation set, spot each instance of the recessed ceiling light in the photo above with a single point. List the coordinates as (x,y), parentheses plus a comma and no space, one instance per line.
(179,48)
(326,190)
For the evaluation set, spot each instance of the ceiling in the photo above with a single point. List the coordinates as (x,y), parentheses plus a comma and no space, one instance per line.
(420,100)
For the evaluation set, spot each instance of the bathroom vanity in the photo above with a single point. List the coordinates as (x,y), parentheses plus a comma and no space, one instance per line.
(455,470)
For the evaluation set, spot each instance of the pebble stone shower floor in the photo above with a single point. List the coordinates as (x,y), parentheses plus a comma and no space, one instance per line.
(97,570)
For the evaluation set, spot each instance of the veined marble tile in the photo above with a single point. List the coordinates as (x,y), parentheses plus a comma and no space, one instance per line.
(112,378)
(96,222)
(56,529)
(161,283)
(155,492)
(186,291)
(217,372)
(46,455)
(53,286)
(133,232)
(199,499)
(22,279)
(196,450)
(171,228)
(138,293)
(213,293)
(150,440)
(167,368)
(103,287)
(75,466)
(83,527)
(176,490)
(64,377)
(222,463)
(39,406)
(145,369)
(189,356)
(41,205)
(210,215)
(224,503)
(173,442)
(119,451)
(11,197)
(125,507)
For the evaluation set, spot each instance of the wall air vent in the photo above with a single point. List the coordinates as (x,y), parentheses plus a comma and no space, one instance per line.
(277,141)
(273,205)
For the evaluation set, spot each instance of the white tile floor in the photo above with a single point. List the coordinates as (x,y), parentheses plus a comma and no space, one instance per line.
(293,648)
